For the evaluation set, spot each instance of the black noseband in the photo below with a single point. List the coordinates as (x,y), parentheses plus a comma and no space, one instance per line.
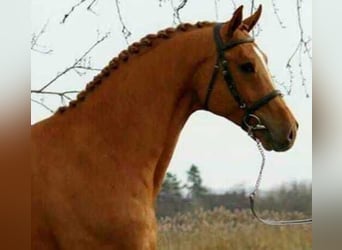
(223,63)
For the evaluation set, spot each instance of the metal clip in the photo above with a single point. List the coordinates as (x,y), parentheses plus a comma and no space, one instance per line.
(257,126)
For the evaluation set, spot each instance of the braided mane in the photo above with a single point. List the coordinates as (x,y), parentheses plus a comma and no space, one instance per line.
(135,48)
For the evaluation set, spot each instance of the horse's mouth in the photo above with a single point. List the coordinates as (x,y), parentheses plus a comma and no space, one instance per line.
(264,136)
(282,148)
(269,142)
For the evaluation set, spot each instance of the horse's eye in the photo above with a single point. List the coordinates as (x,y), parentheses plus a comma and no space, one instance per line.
(247,67)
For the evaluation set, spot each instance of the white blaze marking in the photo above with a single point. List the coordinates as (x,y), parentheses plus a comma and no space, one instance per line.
(262,59)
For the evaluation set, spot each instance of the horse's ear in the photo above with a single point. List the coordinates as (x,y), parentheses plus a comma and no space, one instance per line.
(235,22)
(250,22)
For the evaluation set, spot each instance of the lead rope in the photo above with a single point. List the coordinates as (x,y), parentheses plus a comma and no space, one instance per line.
(252,196)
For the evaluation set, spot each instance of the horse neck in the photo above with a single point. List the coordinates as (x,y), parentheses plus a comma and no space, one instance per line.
(139,110)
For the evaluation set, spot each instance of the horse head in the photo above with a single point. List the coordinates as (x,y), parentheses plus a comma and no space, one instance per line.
(241,88)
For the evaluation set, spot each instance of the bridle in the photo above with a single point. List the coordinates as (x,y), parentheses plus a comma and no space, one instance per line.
(222,63)
(249,113)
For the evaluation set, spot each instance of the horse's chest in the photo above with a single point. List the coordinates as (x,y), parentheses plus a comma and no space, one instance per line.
(128,225)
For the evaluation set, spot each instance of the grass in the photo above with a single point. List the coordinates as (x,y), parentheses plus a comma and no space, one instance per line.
(220,229)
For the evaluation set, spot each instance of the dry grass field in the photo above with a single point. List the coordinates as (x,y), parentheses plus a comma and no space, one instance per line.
(222,229)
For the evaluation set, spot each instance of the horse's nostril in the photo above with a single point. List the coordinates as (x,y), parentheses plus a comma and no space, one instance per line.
(297,125)
(290,136)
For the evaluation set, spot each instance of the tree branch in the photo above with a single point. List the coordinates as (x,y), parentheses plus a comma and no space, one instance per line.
(42,104)
(216,9)
(62,95)
(252,7)
(89,8)
(234,4)
(179,8)
(76,65)
(125,31)
(276,12)
(303,44)
(35,46)
(161,2)
(66,16)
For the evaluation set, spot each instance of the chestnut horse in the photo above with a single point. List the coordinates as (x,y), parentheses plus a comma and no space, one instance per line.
(98,165)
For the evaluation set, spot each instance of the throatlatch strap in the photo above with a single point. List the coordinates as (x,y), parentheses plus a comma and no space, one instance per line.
(211,84)
(221,48)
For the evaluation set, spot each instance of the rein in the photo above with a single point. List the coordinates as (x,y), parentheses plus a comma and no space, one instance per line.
(252,196)
(249,114)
